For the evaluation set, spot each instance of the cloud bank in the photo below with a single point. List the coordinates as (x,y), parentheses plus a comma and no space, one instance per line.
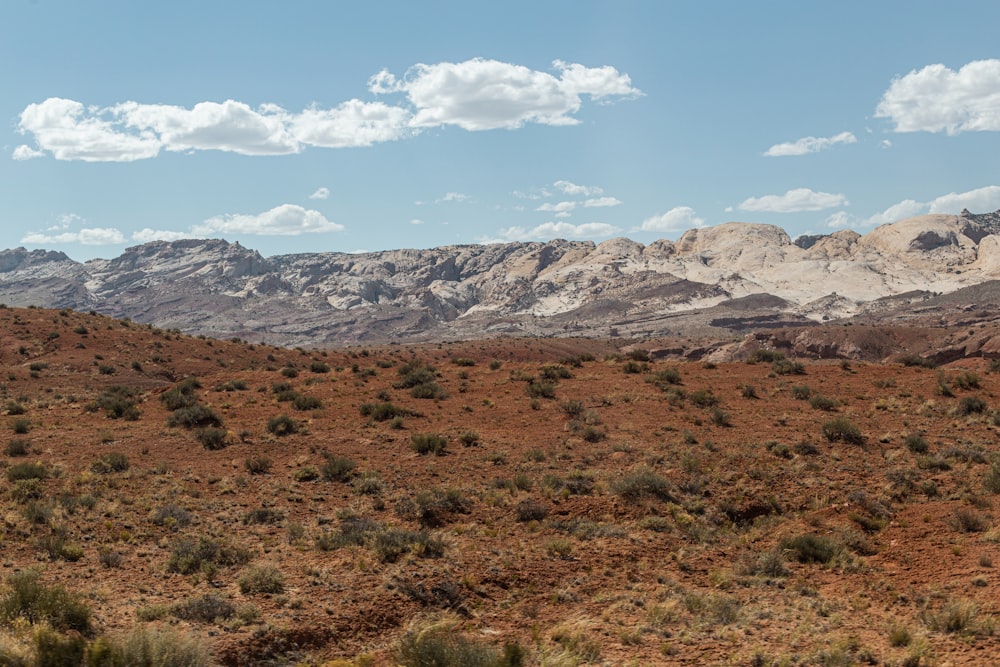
(474,95)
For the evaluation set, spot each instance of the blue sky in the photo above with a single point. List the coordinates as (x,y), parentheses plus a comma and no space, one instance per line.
(323,126)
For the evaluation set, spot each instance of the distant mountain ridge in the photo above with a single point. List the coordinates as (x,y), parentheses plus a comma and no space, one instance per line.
(711,281)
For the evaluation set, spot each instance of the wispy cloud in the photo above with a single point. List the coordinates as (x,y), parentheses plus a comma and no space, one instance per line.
(807,145)
(87,236)
(570,188)
(552,230)
(321,193)
(793,201)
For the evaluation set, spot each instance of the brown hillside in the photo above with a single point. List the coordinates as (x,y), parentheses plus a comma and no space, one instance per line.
(586,506)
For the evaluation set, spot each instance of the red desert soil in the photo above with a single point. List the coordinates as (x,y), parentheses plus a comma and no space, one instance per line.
(588,505)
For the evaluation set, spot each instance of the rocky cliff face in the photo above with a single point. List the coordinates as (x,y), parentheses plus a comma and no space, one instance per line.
(730,278)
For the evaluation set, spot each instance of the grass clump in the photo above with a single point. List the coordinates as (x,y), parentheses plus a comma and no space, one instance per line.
(27,470)
(338,468)
(441,645)
(110,462)
(961,617)
(189,555)
(194,416)
(644,483)
(282,425)
(810,548)
(971,405)
(261,579)
(28,598)
(212,438)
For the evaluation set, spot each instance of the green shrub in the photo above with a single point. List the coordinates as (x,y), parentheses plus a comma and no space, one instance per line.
(916,443)
(27,470)
(992,478)
(28,598)
(463,361)
(259,579)
(118,403)
(338,468)
(635,368)
(189,555)
(414,373)
(282,425)
(384,411)
(110,462)
(21,426)
(181,396)
(302,402)
(788,367)
(801,392)
(469,438)
(194,416)
(644,483)
(842,429)
(307,473)
(263,516)
(431,390)
(530,509)
(428,443)
(965,380)
(14,408)
(703,398)
(18,447)
(53,649)
(171,516)
(443,647)
(319,367)
(765,355)
(958,617)
(917,360)
(555,372)
(810,548)
(971,405)
(212,438)
(208,608)
(541,389)
(289,372)
(818,402)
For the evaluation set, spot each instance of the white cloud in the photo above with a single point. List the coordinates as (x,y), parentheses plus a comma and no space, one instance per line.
(24,152)
(284,220)
(534,194)
(90,236)
(939,99)
(475,94)
(978,201)
(559,207)
(552,230)
(808,145)
(574,189)
(146,235)
(899,211)
(352,124)
(886,143)
(321,193)
(601,202)
(793,201)
(480,94)
(677,219)
(416,221)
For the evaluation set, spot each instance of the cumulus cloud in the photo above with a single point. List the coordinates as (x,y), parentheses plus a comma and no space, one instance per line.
(558,207)
(476,94)
(939,99)
(679,218)
(571,188)
(552,230)
(321,193)
(807,145)
(793,201)
(284,220)
(978,200)
(25,152)
(601,202)
(89,236)
(481,94)
(453,197)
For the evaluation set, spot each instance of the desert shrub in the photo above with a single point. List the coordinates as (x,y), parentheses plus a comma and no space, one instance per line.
(282,425)
(369,483)
(842,429)
(153,647)
(530,509)
(384,411)
(915,443)
(302,402)
(428,443)
(748,391)
(28,598)
(414,373)
(965,380)
(555,372)
(18,447)
(258,465)
(289,372)
(212,438)
(991,481)
(258,579)
(788,367)
(970,520)
(644,483)
(319,367)
(194,416)
(21,426)
(703,398)
(338,468)
(770,563)
(811,548)
(208,608)
(665,379)
(917,360)
(110,462)
(14,408)
(971,405)
(765,355)
(189,555)
(306,473)
(720,417)
(263,516)
(463,361)
(24,490)
(469,438)
(118,403)
(541,389)
(431,390)
(182,395)
(442,646)
(434,507)
(958,617)
(27,470)
(801,392)
(818,402)
(171,516)
(57,546)
(635,368)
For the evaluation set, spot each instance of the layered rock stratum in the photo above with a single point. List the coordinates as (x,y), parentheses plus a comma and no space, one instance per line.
(721,281)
